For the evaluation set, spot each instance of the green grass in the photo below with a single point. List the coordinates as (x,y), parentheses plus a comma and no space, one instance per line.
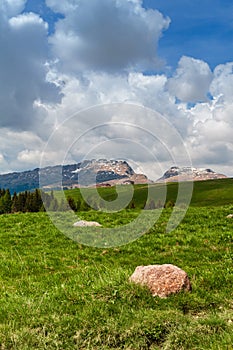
(205,193)
(57,294)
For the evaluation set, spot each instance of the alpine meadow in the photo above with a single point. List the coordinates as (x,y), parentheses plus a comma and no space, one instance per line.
(116,175)
(59,294)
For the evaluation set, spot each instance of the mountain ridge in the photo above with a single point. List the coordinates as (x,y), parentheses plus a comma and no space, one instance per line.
(93,172)
(175,174)
(99,173)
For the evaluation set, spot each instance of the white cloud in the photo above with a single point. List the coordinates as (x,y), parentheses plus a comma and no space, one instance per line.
(12,7)
(29,157)
(210,136)
(191,80)
(24,52)
(65,6)
(107,35)
(93,89)
(16,143)
(99,53)
(222,85)
(26,19)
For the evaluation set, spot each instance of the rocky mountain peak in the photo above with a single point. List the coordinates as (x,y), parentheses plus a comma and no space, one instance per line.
(101,172)
(176,173)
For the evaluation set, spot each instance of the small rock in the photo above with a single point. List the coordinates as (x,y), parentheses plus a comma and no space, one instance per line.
(162,280)
(83,223)
(229,216)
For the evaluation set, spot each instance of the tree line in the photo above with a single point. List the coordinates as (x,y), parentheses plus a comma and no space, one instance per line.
(81,205)
(39,201)
(27,201)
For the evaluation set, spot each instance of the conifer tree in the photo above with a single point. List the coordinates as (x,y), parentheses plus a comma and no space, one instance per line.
(71,203)
(7,202)
(15,203)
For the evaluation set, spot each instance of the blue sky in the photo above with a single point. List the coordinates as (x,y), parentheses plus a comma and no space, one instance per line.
(60,57)
(44,11)
(202,29)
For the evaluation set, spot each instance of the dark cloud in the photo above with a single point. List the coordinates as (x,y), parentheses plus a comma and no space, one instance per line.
(24,52)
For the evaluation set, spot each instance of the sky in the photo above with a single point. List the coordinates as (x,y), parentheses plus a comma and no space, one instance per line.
(147,81)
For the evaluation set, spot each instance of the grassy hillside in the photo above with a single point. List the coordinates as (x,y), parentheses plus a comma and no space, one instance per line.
(205,193)
(57,294)
(213,192)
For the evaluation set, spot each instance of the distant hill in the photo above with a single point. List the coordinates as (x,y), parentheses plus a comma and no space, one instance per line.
(175,174)
(101,172)
(209,193)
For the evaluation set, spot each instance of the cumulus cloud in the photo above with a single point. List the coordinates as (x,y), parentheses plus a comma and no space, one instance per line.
(24,52)
(64,7)
(191,80)
(97,88)
(98,55)
(222,85)
(107,35)
(15,145)
(124,131)
(210,136)
(11,8)
(29,157)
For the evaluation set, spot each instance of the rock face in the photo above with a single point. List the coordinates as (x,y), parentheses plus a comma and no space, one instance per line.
(104,172)
(162,280)
(175,174)
(93,172)
(83,223)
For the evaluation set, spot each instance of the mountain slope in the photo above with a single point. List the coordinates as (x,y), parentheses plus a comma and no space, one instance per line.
(87,173)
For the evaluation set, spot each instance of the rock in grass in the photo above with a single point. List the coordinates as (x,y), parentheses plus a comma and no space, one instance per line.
(230,216)
(83,223)
(162,280)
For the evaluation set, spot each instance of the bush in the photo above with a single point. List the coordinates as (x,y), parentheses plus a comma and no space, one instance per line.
(169,204)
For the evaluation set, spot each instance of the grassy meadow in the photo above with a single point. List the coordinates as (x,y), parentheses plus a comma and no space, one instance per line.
(205,193)
(58,294)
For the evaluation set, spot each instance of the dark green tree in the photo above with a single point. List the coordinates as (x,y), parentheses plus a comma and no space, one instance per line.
(15,203)
(7,202)
(71,203)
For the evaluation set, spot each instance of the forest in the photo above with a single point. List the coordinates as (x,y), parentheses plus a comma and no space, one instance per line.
(27,201)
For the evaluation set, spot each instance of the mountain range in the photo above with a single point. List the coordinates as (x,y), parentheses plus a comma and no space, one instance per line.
(175,174)
(100,173)
(93,172)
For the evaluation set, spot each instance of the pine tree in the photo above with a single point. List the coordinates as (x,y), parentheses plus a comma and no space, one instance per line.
(28,201)
(78,204)
(2,192)
(71,203)
(1,205)
(15,203)
(7,202)
(21,202)
(36,201)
